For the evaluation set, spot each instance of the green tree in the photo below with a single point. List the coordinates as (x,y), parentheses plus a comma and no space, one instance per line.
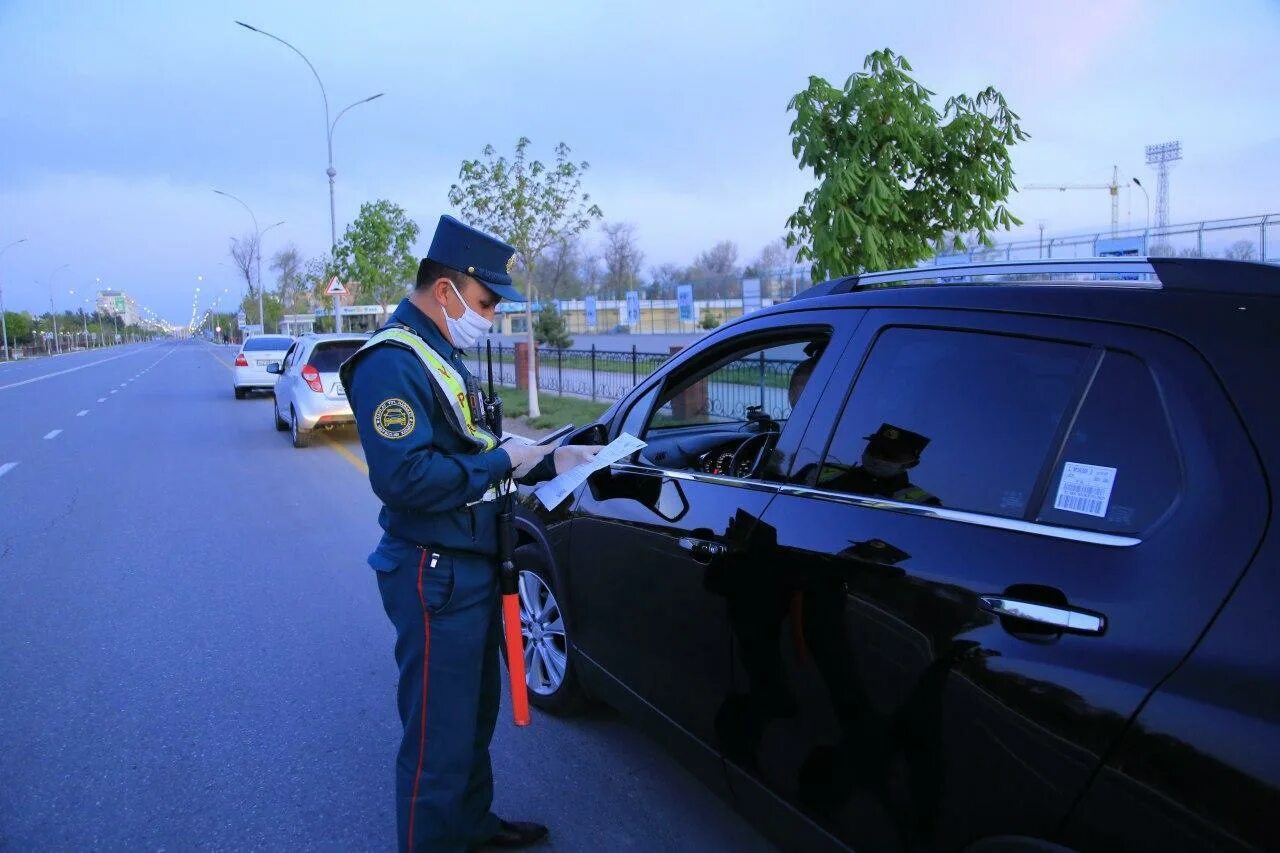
(19,325)
(287,265)
(893,173)
(529,205)
(270,304)
(377,252)
(709,320)
(551,329)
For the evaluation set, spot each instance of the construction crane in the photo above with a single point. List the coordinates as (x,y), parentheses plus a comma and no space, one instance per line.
(1113,188)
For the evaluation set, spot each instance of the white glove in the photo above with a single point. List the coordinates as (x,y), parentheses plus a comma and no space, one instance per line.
(524,457)
(573,455)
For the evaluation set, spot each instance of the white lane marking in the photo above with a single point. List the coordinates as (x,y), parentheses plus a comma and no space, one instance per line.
(7,467)
(82,413)
(52,434)
(61,372)
(102,399)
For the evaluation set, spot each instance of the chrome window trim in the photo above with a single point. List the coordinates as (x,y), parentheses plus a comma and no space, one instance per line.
(996,522)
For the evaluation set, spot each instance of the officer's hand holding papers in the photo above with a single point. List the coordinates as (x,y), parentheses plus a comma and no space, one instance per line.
(552,492)
(524,456)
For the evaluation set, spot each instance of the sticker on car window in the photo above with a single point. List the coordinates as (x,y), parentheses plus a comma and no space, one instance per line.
(1085,489)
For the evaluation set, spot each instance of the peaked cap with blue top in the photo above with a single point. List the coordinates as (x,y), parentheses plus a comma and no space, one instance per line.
(484,258)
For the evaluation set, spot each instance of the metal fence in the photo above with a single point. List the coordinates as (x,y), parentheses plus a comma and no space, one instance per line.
(591,374)
(607,375)
(1247,238)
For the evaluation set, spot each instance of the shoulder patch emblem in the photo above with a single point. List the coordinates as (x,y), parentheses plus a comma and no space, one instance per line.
(394,418)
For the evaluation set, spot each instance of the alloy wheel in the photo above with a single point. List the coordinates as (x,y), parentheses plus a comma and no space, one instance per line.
(546,649)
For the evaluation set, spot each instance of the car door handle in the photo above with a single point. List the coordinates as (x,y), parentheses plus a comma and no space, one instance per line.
(702,550)
(1065,618)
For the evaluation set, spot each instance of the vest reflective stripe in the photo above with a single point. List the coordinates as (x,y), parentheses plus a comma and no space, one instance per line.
(447,380)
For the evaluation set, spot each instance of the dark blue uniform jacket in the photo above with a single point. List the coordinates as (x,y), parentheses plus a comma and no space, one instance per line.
(426,478)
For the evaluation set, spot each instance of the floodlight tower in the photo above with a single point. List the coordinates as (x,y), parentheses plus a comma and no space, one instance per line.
(1161,156)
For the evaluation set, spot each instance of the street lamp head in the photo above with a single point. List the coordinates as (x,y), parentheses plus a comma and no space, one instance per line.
(248,27)
(1138,182)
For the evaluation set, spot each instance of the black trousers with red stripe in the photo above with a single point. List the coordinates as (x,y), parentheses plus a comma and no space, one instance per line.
(446,615)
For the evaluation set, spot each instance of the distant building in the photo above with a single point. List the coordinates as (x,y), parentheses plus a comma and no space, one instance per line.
(119,304)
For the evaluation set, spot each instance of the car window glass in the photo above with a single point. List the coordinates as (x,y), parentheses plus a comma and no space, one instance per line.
(267,343)
(288,358)
(1120,470)
(762,380)
(328,356)
(956,419)
(638,414)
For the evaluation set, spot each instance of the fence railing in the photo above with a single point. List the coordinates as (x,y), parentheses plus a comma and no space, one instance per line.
(1245,238)
(607,375)
(592,374)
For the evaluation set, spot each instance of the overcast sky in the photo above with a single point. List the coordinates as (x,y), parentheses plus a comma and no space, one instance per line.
(118,119)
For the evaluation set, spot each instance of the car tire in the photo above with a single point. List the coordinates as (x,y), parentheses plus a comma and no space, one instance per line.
(240,393)
(281,424)
(299,435)
(563,695)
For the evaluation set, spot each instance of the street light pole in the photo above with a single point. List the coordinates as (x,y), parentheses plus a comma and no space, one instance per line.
(4,325)
(53,310)
(257,249)
(328,133)
(85,322)
(1148,200)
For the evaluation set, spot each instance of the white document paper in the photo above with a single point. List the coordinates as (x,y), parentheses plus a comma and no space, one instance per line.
(1085,489)
(554,491)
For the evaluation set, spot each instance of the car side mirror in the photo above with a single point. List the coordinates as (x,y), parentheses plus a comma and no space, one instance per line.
(273,367)
(594,434)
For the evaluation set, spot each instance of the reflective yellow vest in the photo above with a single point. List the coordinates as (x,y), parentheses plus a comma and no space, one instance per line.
(451,387)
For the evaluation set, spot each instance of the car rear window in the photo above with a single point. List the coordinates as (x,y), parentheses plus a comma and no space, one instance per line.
(267,343)
(328,356)
(972,416)
(1120,470)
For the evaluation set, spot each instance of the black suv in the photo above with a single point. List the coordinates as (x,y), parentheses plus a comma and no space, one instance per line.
(981,561)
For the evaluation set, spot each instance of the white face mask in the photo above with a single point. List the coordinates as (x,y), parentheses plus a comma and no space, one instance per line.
(467,329)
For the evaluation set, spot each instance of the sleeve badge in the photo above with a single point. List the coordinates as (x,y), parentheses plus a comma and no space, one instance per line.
(394,418)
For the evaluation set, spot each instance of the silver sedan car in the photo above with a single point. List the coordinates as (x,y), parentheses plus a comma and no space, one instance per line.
(250,372)
(309,394)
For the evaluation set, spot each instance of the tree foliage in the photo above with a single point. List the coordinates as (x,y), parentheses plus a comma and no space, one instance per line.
(376,252)
(550,329)
(244,251)
(287,265)
(893,173)
(622,259)
(529,205)
(1241,250)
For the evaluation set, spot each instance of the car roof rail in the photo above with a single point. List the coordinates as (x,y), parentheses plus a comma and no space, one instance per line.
(1193,274)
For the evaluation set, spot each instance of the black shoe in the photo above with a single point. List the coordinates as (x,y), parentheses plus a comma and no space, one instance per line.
(515,835)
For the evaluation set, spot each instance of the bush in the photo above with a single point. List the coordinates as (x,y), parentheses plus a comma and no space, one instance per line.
(549,328)
(709,320)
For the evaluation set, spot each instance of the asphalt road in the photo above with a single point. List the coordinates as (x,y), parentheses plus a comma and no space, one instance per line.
(193,654)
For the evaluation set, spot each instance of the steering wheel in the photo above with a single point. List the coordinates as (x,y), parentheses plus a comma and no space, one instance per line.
(764,439)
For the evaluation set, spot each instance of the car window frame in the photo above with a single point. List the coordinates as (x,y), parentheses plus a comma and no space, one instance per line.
(838,323)
(1099,336)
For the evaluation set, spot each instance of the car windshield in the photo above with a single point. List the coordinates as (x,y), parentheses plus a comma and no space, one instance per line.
(269,343)
(328,356)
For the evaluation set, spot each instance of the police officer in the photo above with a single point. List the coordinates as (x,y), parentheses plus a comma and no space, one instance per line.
(890,453)
(441,476)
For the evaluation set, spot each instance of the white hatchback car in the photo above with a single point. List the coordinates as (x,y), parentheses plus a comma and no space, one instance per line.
(309,394)
(252,360)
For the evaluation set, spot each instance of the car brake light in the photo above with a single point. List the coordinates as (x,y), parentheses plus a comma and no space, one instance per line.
(312,378)
(241,361)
